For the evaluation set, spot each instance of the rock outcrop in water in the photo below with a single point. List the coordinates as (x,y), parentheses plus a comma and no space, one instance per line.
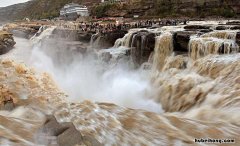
(6,42)
(181,40)
(142,45)
(106,40)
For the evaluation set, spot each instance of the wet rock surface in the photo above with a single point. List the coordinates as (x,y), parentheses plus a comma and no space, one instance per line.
(142,46)
(233,23)
(235,27)
(85,37)
(181,40)
(6,42)
(111,37)
(190,27)
(107,40)
(7,105)
(238,38)
(65,133)
(222,27)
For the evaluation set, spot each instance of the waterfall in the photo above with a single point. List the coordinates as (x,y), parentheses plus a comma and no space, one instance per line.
(163,49)
(132,40)
(126,41)
(46,33)
(200,47)
(177,62)
(118,43)
(40,30)
(105,71)
(219,42)
(93,40)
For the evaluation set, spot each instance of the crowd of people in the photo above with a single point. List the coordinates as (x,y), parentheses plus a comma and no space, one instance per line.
(114,26)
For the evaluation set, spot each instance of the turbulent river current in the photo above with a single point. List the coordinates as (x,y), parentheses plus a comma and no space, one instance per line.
(171,99)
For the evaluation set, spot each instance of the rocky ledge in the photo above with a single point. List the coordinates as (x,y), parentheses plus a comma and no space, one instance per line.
(24,29)
(6,41)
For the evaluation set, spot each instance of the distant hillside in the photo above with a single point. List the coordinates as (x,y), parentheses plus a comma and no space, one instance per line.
(50,8)
(171,8)
(38,9)
(12,12)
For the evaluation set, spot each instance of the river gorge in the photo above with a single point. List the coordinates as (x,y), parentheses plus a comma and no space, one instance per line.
(169,85)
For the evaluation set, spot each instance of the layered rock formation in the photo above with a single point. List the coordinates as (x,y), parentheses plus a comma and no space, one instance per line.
(6,42)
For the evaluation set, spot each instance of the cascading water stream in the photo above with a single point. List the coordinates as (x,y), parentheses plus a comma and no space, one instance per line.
(126,40)
(219,42)
(163,49)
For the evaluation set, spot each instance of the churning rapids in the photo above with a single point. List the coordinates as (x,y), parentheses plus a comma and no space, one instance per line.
(172,99)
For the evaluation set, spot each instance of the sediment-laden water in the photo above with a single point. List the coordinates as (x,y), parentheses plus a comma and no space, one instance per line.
(178,99)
